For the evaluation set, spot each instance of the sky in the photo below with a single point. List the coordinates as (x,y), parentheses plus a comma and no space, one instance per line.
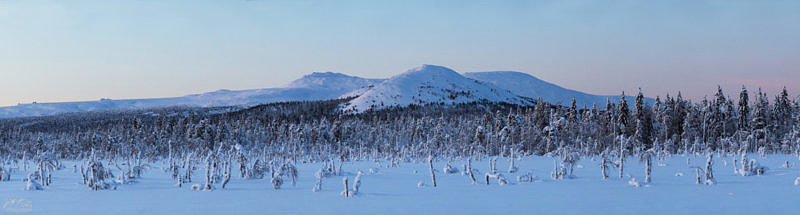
(52,51)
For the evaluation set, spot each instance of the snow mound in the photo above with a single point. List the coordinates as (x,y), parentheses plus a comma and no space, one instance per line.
(430,84)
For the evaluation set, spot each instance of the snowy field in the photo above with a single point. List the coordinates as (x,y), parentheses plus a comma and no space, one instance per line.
(395,191)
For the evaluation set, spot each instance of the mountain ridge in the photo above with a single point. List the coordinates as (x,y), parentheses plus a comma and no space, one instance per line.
(420,85)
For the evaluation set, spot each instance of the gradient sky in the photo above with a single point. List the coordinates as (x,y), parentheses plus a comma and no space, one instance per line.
(85,50)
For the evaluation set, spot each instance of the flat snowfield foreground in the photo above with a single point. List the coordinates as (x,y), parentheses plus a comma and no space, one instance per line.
(673,190)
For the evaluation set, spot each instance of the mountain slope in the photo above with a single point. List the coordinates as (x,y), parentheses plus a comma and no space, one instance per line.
(316,86)
(526,85)
(429,84)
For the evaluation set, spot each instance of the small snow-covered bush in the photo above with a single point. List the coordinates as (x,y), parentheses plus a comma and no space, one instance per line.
(500,179)
(526,178)
(317,186)
(4,175)
(276,181)
(634,183)
(420,184)
(32,184)
(797,181)
(374,170)
(449,169)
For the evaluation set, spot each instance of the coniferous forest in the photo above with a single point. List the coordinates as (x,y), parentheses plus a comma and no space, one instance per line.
(207,149)
(314,131)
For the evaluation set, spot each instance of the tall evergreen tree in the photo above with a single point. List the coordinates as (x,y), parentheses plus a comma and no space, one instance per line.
(622,116)
(644,124)
(744,109)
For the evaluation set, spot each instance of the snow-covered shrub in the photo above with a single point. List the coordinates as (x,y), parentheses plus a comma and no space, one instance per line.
(512,167)
(318,185)
(5,175)
(526,178)
(374,170)
(797,181)
(276,180)
(709,172)
(420,184)
(327,170)
(634,183)
(357,183)
(96,175)
(500,179)
(32,184)
(290,171)
(751,167)
(122,179)
(448,169)
(603,165)
(256,171)
(469,171)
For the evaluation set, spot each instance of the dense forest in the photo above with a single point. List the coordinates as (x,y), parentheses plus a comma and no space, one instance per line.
(312,129)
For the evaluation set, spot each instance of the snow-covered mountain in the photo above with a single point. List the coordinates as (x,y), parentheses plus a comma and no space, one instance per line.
(422,85)
(430,84)
(316,86)
(526,85)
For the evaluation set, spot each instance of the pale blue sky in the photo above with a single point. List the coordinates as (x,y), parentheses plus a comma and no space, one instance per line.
(86,50)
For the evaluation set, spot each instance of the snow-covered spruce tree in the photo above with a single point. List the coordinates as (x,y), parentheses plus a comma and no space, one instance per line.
(318,185)
(621,154)
(208,183)
(277,179)
(469,171)
(226,174)
(241,157)
(709,173)
(188,165)
(357,183)
(744,110)
(647,157)
(289,170)
(512,168)
(603,165)
(346,192)
(5,175)
(493,165)
(433,172)
(97,174)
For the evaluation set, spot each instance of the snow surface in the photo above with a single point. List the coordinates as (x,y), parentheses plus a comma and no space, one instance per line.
(529,86)
(430,84)
(395,191)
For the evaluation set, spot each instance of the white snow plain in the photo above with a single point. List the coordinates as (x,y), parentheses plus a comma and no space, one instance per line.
(395,191)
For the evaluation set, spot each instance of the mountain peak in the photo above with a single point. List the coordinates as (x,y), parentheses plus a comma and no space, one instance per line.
(330,80)
(430,69)
(428,84)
